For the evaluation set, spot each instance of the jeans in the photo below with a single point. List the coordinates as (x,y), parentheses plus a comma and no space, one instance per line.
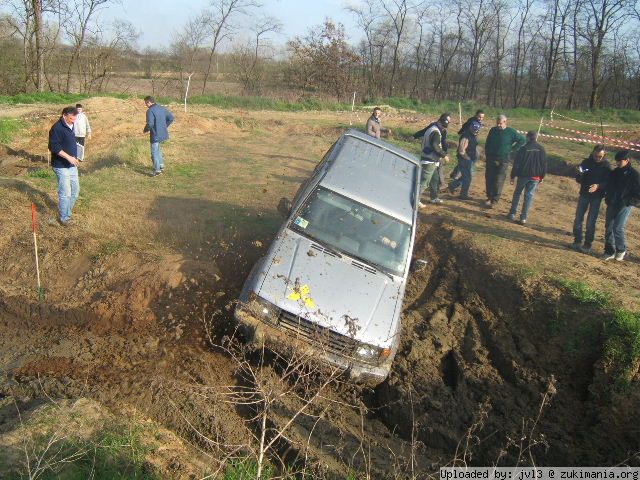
(616,219)
(68,190)
(430,177)
(591,204)
(466,168)
(529,186)
(495,176)
(156,156)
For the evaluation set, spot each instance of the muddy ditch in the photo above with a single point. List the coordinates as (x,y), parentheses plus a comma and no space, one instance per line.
(491,369)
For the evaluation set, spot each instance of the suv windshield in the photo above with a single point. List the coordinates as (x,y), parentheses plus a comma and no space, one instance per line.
(355,229)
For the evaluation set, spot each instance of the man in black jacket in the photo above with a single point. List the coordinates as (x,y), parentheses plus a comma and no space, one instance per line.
(530,167)
(593,175)
(434,153)
(623,193)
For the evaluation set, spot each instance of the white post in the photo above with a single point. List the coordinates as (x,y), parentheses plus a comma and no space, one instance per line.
(353,104)
(460,112)
(540,126)
(186,92)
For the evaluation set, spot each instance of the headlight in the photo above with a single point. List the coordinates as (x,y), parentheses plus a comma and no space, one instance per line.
(371,353)
(262,308)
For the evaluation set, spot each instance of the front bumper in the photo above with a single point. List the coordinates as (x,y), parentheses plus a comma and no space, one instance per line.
(263,333)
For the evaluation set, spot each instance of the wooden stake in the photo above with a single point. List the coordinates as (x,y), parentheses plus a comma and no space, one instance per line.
(34,226)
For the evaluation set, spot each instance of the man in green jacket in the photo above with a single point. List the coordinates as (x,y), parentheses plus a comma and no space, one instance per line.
(501,142)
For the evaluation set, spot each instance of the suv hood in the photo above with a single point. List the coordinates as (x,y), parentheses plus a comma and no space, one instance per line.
(342,294)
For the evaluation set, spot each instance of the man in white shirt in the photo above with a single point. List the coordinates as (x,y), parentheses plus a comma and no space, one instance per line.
(81,130)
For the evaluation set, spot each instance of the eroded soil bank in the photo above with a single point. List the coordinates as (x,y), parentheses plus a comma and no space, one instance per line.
(492,368)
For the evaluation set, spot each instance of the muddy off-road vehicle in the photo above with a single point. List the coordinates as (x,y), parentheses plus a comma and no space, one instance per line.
(334,278)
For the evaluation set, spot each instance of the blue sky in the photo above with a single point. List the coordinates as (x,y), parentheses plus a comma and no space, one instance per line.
(157,20)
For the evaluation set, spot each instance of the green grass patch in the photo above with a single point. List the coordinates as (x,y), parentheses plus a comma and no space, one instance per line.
(246,469)
(108,249)
(264,103)
(622,345)
(9,127)
(41,173)
(42,97)
(585,294)
(117,453)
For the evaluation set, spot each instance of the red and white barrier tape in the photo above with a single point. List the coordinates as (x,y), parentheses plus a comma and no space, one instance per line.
(575,139)
(602,139)
(579,121)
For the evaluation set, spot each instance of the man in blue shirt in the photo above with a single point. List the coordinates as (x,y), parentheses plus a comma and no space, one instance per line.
(62,144)
(158,121)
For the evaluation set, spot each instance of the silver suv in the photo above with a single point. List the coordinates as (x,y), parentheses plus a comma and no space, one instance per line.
(334,278)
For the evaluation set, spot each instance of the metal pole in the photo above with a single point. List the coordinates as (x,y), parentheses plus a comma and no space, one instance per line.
(460,112)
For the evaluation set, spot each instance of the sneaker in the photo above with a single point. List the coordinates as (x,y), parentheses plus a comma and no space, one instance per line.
(488,203)
(586,248)
(512,217)
(620,256)
(464,197)
(609,256)
(436,201)
(522,221)
(451,189)
(67,223)
(577,246)
(155,174)
(422,205)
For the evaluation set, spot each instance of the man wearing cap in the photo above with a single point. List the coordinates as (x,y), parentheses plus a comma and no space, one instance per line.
(467,154)
(63,148)
(529,167)
(593,175)
(623,193)
(501,142)
(434,152)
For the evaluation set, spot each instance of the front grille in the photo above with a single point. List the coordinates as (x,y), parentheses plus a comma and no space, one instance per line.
(317,335)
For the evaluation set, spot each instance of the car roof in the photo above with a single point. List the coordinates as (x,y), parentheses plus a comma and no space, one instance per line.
(375,173)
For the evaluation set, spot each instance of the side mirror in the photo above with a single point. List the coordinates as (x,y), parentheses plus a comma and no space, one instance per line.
(284,207)
(417,265)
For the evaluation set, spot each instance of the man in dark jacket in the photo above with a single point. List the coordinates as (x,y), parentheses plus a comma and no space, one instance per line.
(62,144)
(593,175)
(158,121)
(467,154)
(623,193)
(529,167)
(434,152)
(501,142)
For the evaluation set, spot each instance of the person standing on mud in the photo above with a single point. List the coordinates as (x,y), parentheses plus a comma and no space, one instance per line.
(501,142)
(478,118)
(467,154)
(593,175)
(158,121)
(63,148)
(529,167)
(81,129)
(374,127)
(434,152)
(623,193)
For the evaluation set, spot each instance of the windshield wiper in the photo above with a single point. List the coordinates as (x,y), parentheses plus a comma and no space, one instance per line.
(377,268)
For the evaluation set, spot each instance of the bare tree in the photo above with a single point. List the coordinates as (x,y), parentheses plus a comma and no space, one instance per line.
(250,57)
(556,18)
(521,48)
(220,21)
(601,17)
(397,12)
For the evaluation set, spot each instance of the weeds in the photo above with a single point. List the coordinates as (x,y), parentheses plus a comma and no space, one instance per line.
(41,173)
(9,127)
(622,345)
(583,293)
